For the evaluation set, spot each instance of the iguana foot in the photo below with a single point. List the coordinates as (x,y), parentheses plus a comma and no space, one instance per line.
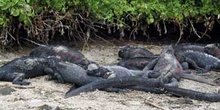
(19,79)
(200,70)
(20,82)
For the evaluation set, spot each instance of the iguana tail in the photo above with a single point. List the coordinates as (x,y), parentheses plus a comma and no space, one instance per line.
(212,97)
(114,82)
(198,79)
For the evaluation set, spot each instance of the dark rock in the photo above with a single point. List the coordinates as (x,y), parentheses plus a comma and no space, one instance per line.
(6,91)
(45,107)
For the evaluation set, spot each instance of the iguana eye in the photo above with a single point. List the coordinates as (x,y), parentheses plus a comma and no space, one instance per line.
(25,62)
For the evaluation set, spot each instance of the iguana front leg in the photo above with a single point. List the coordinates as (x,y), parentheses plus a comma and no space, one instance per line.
(153,74)
(173,83)
(59,78)
(19,79)
(151,65)
(194,65)
(50,74)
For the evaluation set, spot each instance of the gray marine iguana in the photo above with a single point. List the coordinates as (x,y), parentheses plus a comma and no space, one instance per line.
(135,63)
(210,49)
(23,68)
(63,53)
(128,52)
(201,61)
(137,58)
(213,49)
(168,70)
(66,72)
(113,71)
(188,46)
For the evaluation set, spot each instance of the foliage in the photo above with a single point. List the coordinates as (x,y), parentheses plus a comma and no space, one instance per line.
(111,10)
(107,12)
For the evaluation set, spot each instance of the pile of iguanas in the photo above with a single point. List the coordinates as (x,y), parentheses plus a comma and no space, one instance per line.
(138,69)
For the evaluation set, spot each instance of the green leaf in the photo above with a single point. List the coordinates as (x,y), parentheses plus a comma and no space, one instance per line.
(14,11)
(6,6)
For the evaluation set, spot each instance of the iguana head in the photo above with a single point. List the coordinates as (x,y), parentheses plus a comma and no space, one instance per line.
(93,69)
(213,49)
(122,50)
(99,71)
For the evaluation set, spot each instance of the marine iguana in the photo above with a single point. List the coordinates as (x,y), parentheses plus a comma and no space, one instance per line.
(113,71)
(188,46)
(149,83)
(202,62)
(145,83)
(213,49)
(210,49)
(65,54)
(128,52)
(66,72)
(168,70)
(135,63)
(23,68)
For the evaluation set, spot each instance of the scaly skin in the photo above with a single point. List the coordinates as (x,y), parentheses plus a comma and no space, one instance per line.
(135,63)
(23,68)
(213,49)
(186,46)
(167,67)
(107,72)
(210,49)
(128,52)
(202,62)
(144,84)
(65,72)
(62,52)
(114,82)
(168,70)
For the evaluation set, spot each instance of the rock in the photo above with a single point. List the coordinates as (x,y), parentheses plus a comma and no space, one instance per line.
(6,91)
(45,107)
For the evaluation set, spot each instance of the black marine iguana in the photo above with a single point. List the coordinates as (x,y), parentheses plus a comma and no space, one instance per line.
(23,68)
(63,53)
(213,49)
(188,46)
(202,62)
(145,83)
(128,52)
(65,72)
(107,72)
(137,58)
(135,63)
